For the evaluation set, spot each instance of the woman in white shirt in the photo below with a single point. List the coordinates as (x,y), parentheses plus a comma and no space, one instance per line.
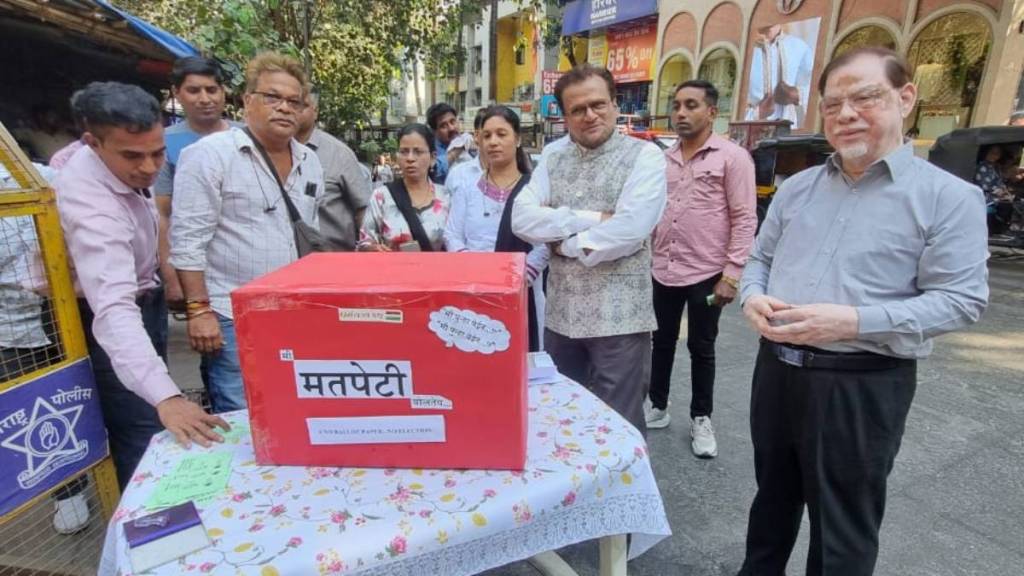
(481,216)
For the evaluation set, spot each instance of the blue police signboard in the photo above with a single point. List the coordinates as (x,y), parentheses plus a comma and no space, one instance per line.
(583,15)
(50,429)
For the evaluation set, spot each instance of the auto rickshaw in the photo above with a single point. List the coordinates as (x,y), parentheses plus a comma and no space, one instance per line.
(960,153)
(780,157)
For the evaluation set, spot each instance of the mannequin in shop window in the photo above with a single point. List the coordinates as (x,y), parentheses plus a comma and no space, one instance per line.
(929,79)
(780,77)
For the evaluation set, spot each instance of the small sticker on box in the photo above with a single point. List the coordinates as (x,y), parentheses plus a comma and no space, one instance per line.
(376,430)
(430,402)
(469,331)
(287,355)
(370,315)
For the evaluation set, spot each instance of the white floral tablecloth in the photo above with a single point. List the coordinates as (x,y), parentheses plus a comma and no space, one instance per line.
(587,476)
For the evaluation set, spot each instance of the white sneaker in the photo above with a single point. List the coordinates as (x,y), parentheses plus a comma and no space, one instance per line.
(703,445)
(72,515)
(656,418)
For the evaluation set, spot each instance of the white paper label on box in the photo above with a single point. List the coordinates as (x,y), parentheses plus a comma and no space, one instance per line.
(361,379)
(370,315)
(376,430)
(469,331)
(430,402)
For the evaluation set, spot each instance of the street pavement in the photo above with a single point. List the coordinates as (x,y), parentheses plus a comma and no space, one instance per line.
(956,496)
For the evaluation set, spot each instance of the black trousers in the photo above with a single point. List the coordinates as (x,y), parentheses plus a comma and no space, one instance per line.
(826,439)
(702,330)
(130,420)
(999,221)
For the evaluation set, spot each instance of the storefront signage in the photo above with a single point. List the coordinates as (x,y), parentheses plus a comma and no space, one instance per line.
(583,15)
(787,7)
(548,79)
(631,51)
(50,429)
(597,50)
(548,104)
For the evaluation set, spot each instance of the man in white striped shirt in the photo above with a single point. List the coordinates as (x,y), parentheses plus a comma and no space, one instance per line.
(230,223)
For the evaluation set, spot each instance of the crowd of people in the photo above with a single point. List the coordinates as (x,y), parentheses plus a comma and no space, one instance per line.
(858,265)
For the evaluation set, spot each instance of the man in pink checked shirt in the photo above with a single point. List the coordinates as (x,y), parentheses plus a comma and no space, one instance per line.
(110,227)
(700,247)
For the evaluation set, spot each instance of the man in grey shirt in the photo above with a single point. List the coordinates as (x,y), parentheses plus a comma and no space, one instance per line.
(859,264)
(347,187)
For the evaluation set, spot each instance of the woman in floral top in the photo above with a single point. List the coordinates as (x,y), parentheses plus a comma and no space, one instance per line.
(998,198)
(385,228)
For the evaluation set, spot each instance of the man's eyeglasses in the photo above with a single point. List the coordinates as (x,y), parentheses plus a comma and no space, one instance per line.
(412,152)
(598,108)
(861,101)
(275,100)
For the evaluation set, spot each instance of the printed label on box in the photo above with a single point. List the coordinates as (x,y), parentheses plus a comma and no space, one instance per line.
(370,315)
(375,379)
(469,331)
(430,402)
(376,430)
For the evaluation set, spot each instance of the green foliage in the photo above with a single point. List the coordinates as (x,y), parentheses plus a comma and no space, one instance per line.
(370,149)
(355,49)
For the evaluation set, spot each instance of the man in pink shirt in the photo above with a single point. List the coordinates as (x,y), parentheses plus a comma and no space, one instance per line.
(110,226)
(700,247)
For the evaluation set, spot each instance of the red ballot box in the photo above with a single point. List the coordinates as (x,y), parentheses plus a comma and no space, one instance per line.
(405,360)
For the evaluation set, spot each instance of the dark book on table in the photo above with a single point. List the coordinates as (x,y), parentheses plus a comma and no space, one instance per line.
(158,538)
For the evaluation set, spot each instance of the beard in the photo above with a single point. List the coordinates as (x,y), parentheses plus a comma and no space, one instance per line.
(854,151)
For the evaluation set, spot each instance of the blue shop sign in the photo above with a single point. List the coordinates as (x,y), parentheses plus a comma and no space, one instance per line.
(51,428)
(583,15)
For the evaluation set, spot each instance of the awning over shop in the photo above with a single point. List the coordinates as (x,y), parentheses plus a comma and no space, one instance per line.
(584,15)
(173,44)
(99,23)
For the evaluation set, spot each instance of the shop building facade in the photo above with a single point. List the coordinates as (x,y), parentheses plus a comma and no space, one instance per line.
(622,36)
(765,56)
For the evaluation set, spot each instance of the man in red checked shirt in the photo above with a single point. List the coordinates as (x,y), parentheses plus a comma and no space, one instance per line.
(700,247)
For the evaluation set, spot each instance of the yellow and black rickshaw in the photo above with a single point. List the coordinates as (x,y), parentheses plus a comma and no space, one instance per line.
(961,151)
(778,158)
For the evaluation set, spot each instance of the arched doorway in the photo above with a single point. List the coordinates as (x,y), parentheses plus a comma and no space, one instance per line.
(675,70)
(948,59)
(719,68)
(869,35)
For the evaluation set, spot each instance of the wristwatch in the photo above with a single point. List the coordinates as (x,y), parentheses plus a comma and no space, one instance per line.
(731,281)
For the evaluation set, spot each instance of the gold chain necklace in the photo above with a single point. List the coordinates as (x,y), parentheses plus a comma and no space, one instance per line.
(504,188)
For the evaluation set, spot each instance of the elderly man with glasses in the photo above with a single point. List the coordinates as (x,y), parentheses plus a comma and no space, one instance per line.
(230,220)
(859,264)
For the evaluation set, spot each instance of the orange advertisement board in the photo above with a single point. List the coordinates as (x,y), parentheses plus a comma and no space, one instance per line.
(631,51)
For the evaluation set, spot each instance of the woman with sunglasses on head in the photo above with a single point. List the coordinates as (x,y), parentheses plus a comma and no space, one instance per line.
(481,217)
(408,214)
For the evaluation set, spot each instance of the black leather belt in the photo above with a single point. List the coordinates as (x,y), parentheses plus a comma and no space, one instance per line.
(807,357)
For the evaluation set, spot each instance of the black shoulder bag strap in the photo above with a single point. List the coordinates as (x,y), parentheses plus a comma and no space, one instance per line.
(400,195)
(506,241)
(293,212)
